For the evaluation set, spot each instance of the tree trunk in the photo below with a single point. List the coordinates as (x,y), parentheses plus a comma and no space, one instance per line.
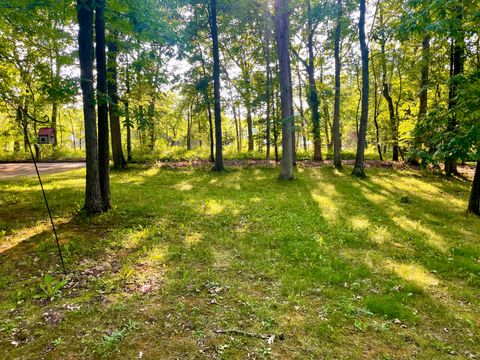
(358,169)
(210,133)
(275,121)
(282,36)
(22,119)
(474,203)
(249,126)
(151,123)
(55,81)
(386,91)
(423,95)
(312,88)
(337,159)
(248,107)
(269,79)
(93,196)
(102,104)
(116,134)
(237,127)
(216,88)
(209,110)
(128,122)
(375,111)
(456,69)
(189,127)
(302,113)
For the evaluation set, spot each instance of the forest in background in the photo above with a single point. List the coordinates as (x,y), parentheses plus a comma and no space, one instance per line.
(421,83)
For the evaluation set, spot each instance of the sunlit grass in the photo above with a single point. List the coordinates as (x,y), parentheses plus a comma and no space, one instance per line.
(344,268)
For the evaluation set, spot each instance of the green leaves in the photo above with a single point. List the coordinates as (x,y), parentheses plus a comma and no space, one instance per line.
(51,288)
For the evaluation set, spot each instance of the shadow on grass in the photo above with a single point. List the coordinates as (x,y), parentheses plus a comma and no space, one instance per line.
(327,259)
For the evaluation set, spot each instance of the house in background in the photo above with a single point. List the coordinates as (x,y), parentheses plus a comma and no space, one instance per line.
(46,136)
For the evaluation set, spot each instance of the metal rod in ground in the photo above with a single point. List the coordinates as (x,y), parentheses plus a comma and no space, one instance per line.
(46,204)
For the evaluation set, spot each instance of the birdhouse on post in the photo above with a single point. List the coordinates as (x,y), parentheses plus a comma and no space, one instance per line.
(46,136)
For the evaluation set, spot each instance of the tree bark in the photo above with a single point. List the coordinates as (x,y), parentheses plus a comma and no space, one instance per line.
(151,123)
(102,104)
(337,158)
(358,169)
(219,166)
(424,78)
(209,110)
(115,130)
(189,127)
(282,36)
(474,203)
(457,67)
(128,123)
(376,105)
(302,113)
(55,101)
(93,196)
(312,87)
(275,121)
(269,79)
(386,91)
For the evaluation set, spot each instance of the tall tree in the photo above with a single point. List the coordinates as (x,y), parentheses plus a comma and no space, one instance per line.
(218,166)
(282,36)
(114,111)
(313,99)
(457,64)
(268,85)
(358,169)
(85,15)
(424,77)
(474,202)
(102,104)
(386,87)
(337,144)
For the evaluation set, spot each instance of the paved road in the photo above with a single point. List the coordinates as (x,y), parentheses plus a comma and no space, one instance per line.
(13,170)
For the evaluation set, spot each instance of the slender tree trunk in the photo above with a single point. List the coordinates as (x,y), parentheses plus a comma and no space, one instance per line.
(457,67)
(22,119)
(55,101)
(151,123)
(248,107)
(302,113)
(209,111)
(327,123)
(128,126)
(269,79)
(211,133)
(128,122)
(424,77)
(275,121)
(102,104)
(219,166)
(249,126)
(237,127)
(115,130)
(358,169)
(189,127)
(282,36)
(474,203)
(93,196)
(386,91)
(312,88)
(337,158)
(375,111)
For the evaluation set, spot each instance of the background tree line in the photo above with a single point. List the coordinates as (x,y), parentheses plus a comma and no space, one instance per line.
(285,80)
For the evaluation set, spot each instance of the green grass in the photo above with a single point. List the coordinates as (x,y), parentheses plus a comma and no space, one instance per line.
(387,267)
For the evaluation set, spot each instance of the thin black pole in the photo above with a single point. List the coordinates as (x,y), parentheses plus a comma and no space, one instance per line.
(46,202)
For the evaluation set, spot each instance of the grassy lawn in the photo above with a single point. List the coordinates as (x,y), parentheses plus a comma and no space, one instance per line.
(194,265)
